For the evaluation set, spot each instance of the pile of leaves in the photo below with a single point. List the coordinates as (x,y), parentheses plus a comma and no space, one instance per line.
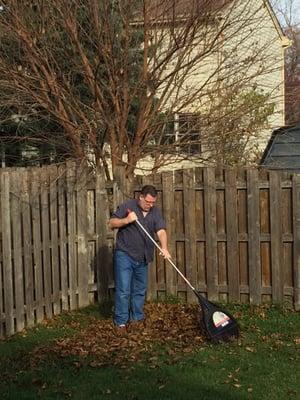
(170,328)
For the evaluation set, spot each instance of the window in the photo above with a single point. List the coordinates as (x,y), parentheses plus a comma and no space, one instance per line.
(188,133)
(181,134)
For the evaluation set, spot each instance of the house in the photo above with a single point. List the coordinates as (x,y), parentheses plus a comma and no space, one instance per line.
(247,58)
(283,150)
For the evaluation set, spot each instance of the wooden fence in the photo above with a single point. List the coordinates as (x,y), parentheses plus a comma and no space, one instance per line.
(235,234)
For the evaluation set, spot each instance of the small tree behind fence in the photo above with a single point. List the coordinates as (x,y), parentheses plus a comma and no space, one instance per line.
(235,234)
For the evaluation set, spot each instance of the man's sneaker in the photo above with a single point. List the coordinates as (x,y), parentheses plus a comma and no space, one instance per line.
(120,330)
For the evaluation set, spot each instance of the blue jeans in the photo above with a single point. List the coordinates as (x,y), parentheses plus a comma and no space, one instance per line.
(130,288)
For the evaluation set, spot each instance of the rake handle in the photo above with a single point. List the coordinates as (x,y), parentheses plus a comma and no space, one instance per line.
(160,249)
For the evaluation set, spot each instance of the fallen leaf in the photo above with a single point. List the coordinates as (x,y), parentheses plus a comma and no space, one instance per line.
(175,326)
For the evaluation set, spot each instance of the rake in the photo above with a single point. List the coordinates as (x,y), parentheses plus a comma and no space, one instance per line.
(219,325)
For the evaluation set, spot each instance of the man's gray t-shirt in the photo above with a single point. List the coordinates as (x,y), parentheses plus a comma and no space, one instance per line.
(131,238)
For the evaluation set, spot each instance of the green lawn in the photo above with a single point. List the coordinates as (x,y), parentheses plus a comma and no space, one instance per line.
(51,361)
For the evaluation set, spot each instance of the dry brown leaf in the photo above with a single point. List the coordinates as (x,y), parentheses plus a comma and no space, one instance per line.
(176,326)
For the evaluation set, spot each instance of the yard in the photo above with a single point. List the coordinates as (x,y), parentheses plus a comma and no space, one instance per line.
(78,355)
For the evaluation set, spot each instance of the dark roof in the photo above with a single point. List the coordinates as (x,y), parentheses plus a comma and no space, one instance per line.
(283,149)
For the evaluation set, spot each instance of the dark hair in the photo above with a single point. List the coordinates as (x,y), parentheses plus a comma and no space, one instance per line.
(149,189)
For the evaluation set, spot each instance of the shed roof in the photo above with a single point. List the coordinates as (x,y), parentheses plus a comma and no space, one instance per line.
(283,149)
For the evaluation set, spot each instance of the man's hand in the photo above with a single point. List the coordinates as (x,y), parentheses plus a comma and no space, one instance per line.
(120,222)
(131,217)
(165,253)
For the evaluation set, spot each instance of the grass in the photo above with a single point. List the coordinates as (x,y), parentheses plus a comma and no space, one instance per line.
(263,364)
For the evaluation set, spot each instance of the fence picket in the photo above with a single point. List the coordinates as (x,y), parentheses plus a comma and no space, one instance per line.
(17,250)
(169,217)
(7,254)
(2,316)
(45,224)
(211,233)
(83,290)
(104,255)
(276,237)
(62,228)
(254,237)
(296,244)
(37,245)
(232,235)
(27,248)
(71,220)
(189,209)
(54,238)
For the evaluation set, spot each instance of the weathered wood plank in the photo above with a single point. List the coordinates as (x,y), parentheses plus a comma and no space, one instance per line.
(190,231)
(62,228)
(53,175)
(71,229)
(91,233)
(83,292)
(27,250)
(37,245)
(17,249)
(104,256)
(169,217)
(2,316)
(254,237)
(276,237)
(7,254)
(296,244)
(211,233)
(232,235)
(45,226)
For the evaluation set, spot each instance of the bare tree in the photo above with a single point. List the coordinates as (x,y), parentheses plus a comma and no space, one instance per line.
(292,77)
(289,14)
(130,80)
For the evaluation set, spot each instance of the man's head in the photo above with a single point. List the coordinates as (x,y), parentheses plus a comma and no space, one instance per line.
(147,197)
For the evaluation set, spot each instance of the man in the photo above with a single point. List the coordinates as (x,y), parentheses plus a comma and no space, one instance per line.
(134,250)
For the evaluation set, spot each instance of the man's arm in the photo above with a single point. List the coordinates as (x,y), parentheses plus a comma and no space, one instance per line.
(114,222)
(163,240)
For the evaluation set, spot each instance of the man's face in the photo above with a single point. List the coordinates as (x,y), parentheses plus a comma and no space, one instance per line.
(147,202)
